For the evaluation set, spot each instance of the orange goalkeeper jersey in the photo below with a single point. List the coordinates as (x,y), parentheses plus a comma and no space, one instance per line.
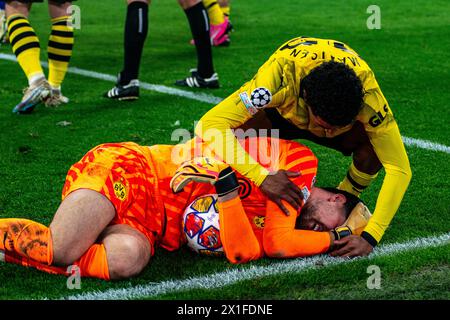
(274,231)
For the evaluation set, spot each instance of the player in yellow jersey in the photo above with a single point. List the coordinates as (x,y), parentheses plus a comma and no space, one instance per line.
(26,47)
(320,90)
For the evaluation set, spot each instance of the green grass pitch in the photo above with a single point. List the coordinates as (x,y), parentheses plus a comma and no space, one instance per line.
(409,56)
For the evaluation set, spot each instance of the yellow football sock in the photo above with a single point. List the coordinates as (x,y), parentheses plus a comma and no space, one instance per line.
(214,12)
(356,181)
(59,50)
(226,10)
(25,45)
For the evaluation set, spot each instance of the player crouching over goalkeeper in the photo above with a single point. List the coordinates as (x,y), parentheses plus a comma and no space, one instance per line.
(122,201)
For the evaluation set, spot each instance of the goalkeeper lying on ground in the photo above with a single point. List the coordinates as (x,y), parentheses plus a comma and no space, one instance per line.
(323,91)
(121,201)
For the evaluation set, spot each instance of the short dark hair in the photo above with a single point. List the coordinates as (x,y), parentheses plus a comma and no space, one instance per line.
(351,199)
(334,93)
(350,203)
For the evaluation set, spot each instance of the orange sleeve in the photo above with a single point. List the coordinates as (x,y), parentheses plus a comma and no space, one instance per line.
(239,242)
(282,240)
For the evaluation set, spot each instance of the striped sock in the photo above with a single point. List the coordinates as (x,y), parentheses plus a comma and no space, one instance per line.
(25,45)
(356,181)
(60,46)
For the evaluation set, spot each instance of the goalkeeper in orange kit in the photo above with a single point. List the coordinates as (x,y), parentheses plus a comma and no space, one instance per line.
(121,201)
(323,91)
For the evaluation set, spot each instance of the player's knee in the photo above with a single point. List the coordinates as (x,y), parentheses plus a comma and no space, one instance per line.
(128,258)
(69,246)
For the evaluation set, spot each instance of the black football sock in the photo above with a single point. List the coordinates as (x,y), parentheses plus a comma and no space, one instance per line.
(199,23)
(136,27)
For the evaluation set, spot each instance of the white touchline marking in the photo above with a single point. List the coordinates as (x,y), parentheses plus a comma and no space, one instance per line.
(425,144)
(229,277)
(203,97)
(240,274)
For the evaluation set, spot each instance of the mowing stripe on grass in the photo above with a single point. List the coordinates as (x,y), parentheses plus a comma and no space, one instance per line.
(203,97)
(238,274)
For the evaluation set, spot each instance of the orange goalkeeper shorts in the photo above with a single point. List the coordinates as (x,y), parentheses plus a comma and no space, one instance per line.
(123,174)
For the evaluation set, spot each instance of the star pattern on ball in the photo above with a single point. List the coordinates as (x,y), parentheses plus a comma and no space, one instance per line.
(260,97)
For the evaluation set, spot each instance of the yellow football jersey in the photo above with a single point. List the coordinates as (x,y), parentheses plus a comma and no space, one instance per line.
(283,72)
(277,84)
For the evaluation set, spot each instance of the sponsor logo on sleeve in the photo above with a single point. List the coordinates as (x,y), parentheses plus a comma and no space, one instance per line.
(247,103)
(379,117)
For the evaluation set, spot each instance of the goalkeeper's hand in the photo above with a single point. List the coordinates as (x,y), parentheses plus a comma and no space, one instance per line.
(205,170)
(355,223)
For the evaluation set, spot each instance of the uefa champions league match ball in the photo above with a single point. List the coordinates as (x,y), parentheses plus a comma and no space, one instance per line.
(201,226)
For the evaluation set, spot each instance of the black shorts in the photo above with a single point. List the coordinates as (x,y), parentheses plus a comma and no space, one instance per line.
(31,1)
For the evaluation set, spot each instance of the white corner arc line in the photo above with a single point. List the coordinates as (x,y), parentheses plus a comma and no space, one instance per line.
(203,97)
(236,275)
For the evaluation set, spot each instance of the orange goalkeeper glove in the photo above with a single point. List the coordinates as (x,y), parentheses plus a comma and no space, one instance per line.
(205,170)
(355,223)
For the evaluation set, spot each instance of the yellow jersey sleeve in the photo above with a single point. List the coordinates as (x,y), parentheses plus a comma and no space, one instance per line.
(268,88)
(386,140)
(388,146)
(280,77)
